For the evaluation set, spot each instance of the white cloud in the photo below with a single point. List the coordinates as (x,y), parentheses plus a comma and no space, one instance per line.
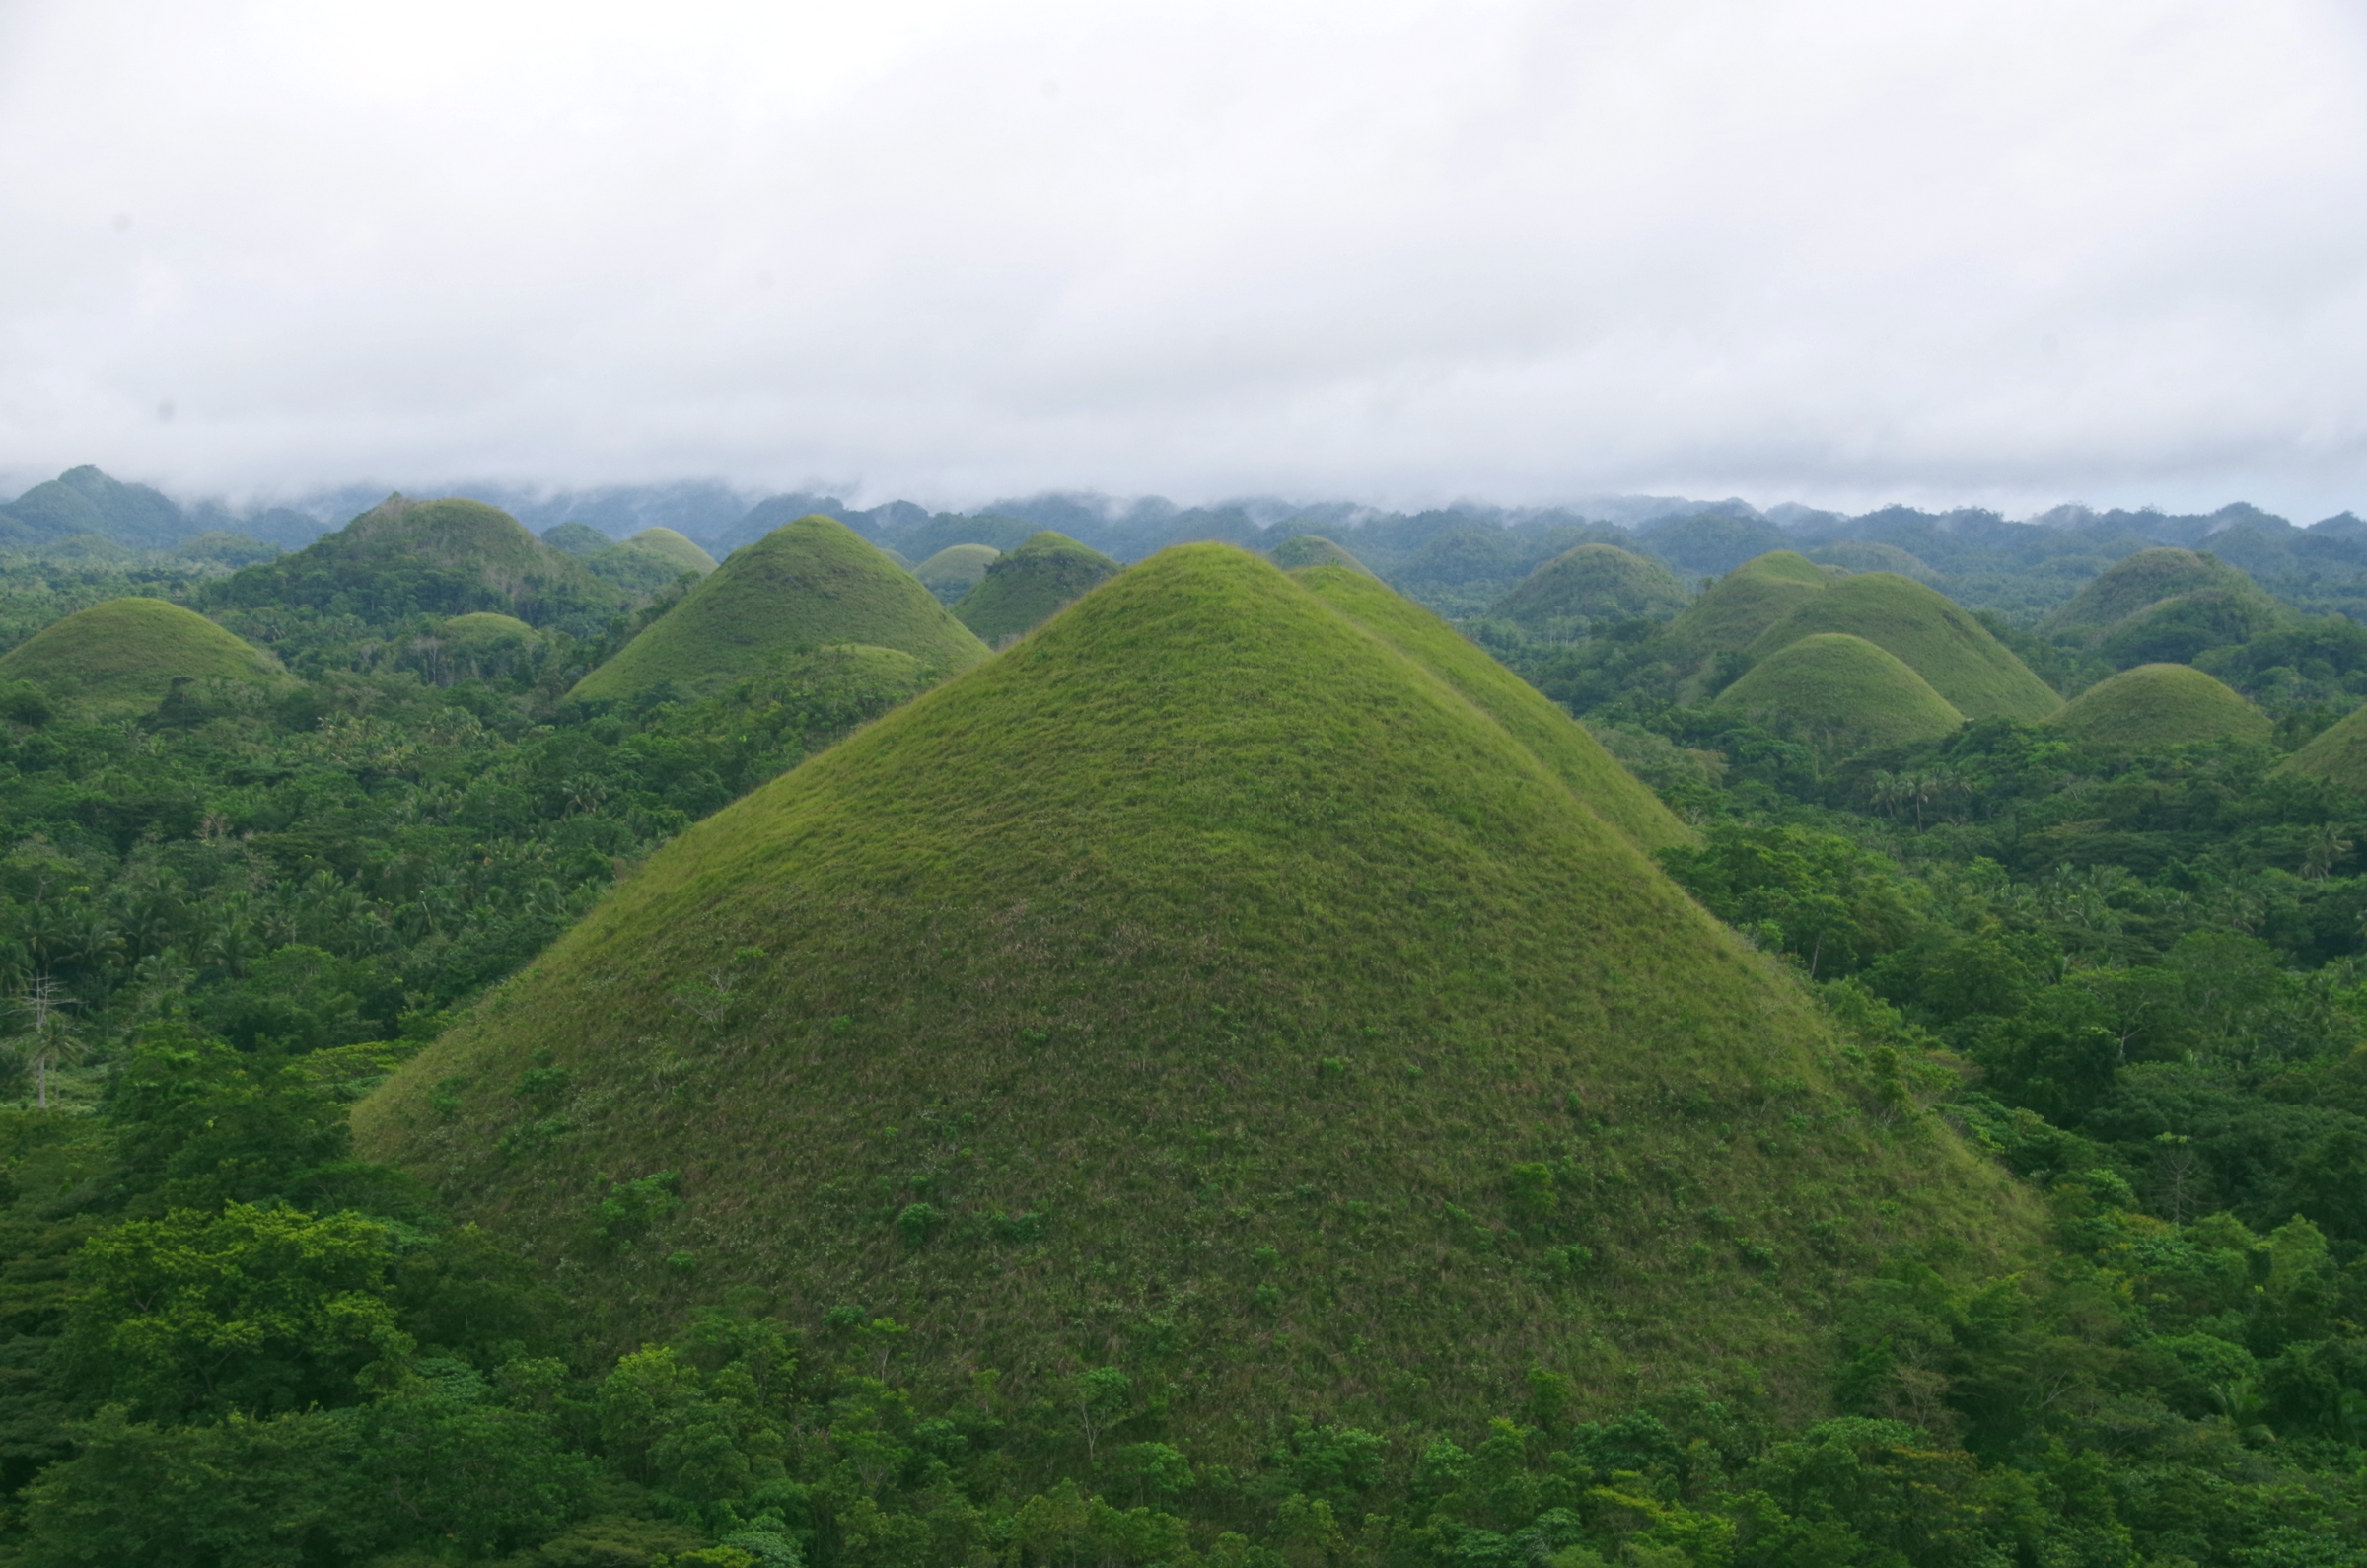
(2012,251)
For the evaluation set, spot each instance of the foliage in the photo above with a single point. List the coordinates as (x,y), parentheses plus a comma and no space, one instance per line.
(1025,587)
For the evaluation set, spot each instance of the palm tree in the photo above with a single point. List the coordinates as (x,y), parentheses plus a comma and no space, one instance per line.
(50,1038)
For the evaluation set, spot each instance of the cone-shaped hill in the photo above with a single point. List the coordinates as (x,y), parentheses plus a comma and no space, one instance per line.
(649,560)
(809,584)
(405,557)
(955,570)
(1563,745)
(1868,556)
(484,629)
(1843,693)
(1312,549)
(2160,705)
(1206,988)
(126,653)
(1027,587)
(1735,609)
(2137,582)
(1931,633)
(1593,584)
(2339,754)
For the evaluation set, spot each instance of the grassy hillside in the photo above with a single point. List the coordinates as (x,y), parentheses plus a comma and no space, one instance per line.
(1735,609)
(1931,633)
(2136,580)
(1312,549)
(1591,585)
(809,584)
(2160,705)
(126,653)
(1552,735)
(649,561)
(405,559)
(1203,986)
(1843,693)
(1023,588)
(485,627)
(2339,754)
(955,570)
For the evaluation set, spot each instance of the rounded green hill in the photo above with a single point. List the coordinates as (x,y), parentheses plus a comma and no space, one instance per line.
(2138,581)
(809,584)
(1025,587)
(1931,634)
(2339,754)
(126,653)
(680,548)
(1567,749)
(1216,947)
(2160,705)
(485,628)
(649,560)
(1312,549)
(1735,609)
(1843,693)
(455,532)
(955,570)
(1593,584)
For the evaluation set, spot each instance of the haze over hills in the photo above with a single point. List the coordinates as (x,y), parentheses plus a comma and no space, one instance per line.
(1217,944)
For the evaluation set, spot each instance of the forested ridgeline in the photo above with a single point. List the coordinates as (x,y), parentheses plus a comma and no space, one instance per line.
(2127,971)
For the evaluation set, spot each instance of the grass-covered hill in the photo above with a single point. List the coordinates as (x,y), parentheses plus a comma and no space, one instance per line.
(2136,582)
(126,653)
(1931,633)
(485,627)
(649,560)
(1026,587)
(1312,549)
(1734,610)
(1591,585)
(2338,753)
(405,559)
(955,570)
(809,584)
(1552,735)
(2160,705)
(1208,984)
(1843,693)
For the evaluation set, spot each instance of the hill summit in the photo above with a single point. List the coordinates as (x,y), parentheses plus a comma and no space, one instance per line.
(1590,585)
(1207,988)
(126,653)
(1842,692)
(2160,705)
(955,570)
(1023,588)
(811,583)
(1927,632)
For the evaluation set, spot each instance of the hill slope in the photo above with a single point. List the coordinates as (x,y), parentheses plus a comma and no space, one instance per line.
(1931,633)
(955,570)
(126,653)
(1735,609)
(2160,705)
(403,558)
(809,584)
(2339,754)
(649,560)
(1026,587)
(1843,691)
(2134,582)
(1591,583)
(1565,748)
(1206,988)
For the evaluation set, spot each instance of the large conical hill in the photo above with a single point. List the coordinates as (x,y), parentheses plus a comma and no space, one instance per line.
(126,653)
(1929,631)
(1028,586)
(1208,989)
(1739,606)
(809,584)
(2160,705)
(2136,582)
(402,558)
(1590,585)
(1564,745)
(1843,693)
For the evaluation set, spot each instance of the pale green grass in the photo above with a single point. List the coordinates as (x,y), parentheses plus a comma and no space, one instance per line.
(1841,694)
(1929,631)
(2160,705)
(125,654)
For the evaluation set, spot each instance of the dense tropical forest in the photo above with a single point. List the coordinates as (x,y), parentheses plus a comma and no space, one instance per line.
(387,1049)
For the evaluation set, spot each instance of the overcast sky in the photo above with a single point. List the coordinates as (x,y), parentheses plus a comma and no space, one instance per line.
(2004,252)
